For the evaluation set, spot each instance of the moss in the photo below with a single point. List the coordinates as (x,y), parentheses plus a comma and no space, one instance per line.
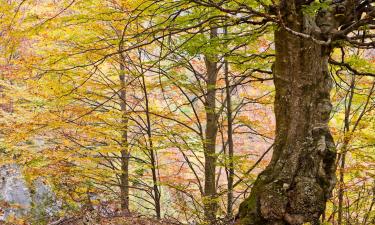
(248,211)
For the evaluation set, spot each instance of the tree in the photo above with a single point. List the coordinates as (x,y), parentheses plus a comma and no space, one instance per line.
(210,134)
(296,184)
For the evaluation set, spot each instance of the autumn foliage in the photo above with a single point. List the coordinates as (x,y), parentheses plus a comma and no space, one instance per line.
(119,105)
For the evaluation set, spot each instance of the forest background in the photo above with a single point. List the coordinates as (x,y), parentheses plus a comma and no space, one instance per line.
(162,109)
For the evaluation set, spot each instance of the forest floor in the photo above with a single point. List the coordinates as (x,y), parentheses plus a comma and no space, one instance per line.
(125,220)
(133,221)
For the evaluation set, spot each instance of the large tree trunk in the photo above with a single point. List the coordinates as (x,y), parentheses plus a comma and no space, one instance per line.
(296,184)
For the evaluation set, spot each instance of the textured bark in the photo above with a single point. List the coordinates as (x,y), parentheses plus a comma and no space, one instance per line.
(296,184)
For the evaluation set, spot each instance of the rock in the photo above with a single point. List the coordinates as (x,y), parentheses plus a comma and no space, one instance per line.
(14,192)
(44,203)
(16,198)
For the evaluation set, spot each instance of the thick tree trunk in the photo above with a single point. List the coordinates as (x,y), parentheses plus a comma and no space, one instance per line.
(296,184)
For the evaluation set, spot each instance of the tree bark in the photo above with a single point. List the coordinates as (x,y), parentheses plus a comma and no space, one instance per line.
(341,188)
(295,186)
(125,154)
(151,150)
(210,201)
(230,167)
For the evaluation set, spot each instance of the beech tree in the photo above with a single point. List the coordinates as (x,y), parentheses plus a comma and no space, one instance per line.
(295,186)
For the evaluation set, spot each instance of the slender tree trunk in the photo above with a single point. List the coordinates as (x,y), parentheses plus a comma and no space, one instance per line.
(230,169)
(125,155)
(152,153)
(295,186)
(210,201)
(371,207)
(341,188)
